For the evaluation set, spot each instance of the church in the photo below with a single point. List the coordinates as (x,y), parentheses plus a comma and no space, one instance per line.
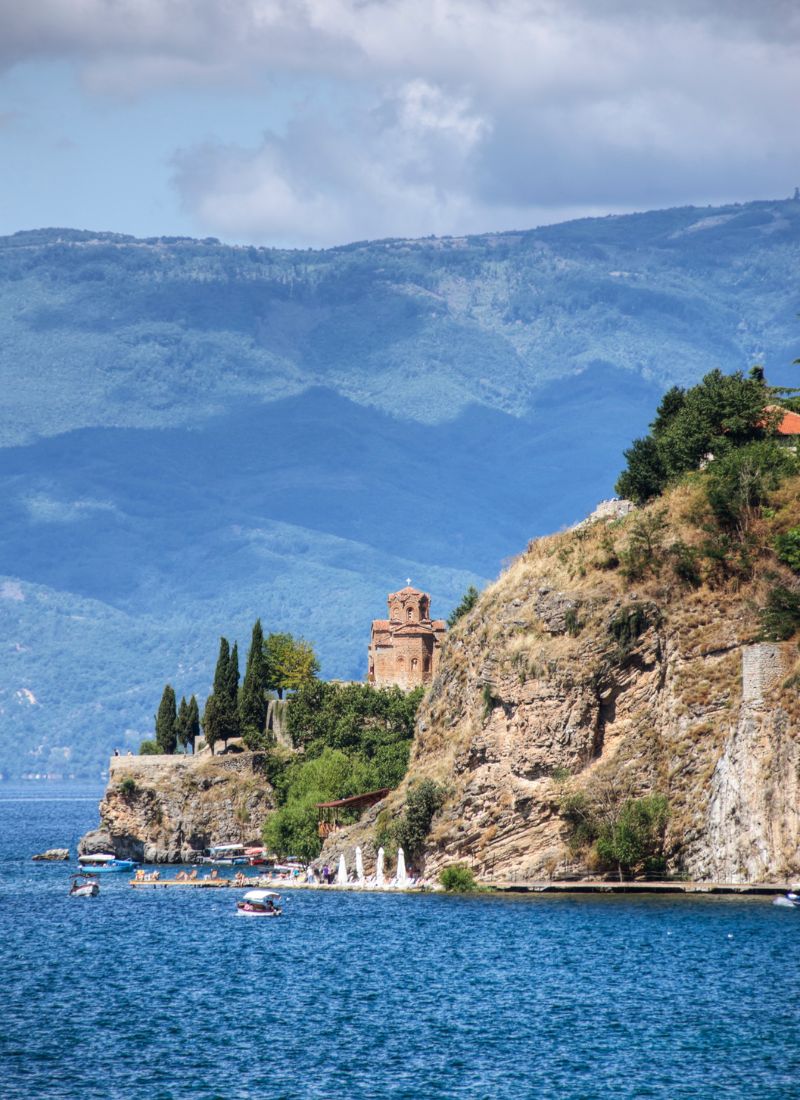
(404,649)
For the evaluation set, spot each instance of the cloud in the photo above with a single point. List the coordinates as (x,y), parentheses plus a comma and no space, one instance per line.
(454,115)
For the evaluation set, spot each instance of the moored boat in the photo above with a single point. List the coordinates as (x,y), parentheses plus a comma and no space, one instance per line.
(226,855)
(102,862)
(84,886)
(788,901)
(259,903)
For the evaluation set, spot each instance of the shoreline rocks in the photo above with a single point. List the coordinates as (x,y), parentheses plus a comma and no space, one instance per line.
(52,855)
(168,809)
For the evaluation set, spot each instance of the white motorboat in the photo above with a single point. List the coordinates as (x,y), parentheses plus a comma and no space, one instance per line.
(259,903)
(84,886)
(788,901)
(103,862)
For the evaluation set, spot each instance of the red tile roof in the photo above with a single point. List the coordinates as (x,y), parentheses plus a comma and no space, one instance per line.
(790,425)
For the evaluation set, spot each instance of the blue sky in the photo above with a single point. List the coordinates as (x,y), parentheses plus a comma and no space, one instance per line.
(315,122)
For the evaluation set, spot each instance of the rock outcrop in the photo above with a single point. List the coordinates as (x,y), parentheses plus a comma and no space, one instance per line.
(568,677)
(167,809)
(52,855)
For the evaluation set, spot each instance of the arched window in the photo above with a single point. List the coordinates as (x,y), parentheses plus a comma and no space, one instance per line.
(414,663)
(410,614)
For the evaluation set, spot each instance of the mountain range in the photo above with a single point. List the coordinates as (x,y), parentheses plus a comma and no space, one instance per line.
(194,434)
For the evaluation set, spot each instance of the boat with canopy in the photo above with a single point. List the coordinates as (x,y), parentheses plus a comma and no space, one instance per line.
(259,903)
(103,862)
(84,886)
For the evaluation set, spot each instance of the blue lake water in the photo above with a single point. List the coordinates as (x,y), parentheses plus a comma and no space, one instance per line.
(166,994)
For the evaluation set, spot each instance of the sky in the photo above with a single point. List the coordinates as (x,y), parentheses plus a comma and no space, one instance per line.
(309,123)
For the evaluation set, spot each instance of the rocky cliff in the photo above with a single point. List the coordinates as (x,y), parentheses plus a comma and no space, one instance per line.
(167,809)
(571,677)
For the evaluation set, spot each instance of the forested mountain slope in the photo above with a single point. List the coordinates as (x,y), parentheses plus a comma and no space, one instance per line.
(194,434)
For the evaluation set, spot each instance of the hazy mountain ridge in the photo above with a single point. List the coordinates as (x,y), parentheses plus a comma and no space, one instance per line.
(196,434)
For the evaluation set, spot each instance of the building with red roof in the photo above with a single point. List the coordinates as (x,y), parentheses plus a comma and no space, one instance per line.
(790,424)
(404,649)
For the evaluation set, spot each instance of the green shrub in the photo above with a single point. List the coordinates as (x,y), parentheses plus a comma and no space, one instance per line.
(739,482)
(488,700)
(635,841)
(149,748)
(625,833)
(571,622)
(780,619)
(628,624)
(423,802)
(128,786)
(685,563)
(458,879)
(468,601)
(643,552)
(787,548)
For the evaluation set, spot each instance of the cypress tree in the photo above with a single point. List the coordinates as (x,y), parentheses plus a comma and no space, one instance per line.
(221,716)
(253,700)
(221,671)
(192,722)
(232,679)
(166,719)
(180,724)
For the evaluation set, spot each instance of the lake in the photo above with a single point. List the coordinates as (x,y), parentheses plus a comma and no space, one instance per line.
(165,994)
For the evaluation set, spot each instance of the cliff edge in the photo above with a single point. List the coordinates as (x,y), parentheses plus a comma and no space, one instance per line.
(167,809)
(611,662)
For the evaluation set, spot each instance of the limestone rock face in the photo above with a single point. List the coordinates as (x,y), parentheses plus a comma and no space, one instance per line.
(167,809)
(566,677)
(53,855)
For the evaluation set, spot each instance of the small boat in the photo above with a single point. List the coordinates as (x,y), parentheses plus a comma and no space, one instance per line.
(259,903)
(226,855)
(102,862)
(788,901)
(84,886)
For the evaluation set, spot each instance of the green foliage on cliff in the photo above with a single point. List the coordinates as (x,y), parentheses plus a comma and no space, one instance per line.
(458,879)
(787,547)
(723,412)
(290,663)
(468,601)
(422,804)
(616,832)
(780,617)
(351,738)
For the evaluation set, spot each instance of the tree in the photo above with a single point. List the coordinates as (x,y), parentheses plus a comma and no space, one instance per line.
(423,802)
(253,699)
(644,476)
(468,601)
(232,678)
(721,413)
(193,721)
(221,671)
(290,663)
(180,725)
(165,721)
(635,841)
(221,714)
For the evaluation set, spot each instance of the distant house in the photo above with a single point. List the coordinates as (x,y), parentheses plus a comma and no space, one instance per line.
(404,649)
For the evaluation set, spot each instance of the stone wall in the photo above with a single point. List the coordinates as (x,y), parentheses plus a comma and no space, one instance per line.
(763,665)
